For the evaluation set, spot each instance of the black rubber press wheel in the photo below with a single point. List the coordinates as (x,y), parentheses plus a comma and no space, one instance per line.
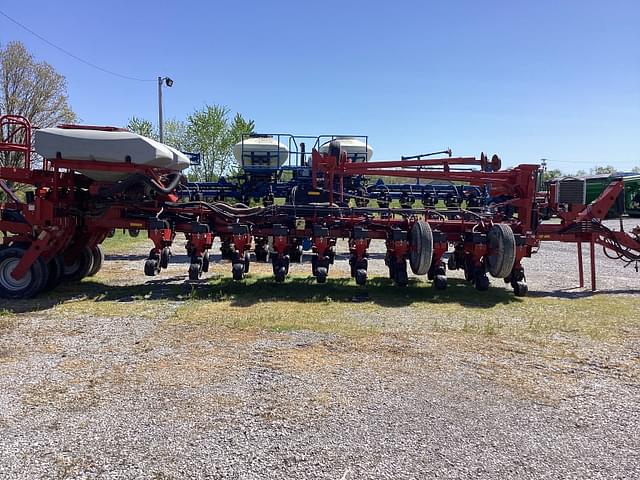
(78,267)
(502,250)
(420,247)
(56,270)
(165,256)
(98,260)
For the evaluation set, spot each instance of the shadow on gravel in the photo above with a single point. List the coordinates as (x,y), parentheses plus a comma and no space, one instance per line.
(252,290)
(576,292)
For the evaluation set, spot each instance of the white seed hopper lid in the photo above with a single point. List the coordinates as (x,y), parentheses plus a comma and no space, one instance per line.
(113,146)
(262,150)
(355,148)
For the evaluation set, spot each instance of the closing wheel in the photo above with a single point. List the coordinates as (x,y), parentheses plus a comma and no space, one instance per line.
(80,266)
(246,262)
(27,286)
(440,278)
(481,281)
(205,261)
(362,264)
(321,274)
(195,271)
(151,267)
(165,255)
(226,251)
(502,250)
(237,271)
(440,282)
(401,278)
(520,289)
(280,273)
(98,260)
(361,276)
(56,269)
(421,247)
(469,270)
(391,265)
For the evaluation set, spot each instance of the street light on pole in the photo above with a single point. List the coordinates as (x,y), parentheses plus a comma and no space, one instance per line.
(168,82)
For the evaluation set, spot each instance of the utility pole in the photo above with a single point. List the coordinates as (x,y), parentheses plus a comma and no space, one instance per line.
(168,82)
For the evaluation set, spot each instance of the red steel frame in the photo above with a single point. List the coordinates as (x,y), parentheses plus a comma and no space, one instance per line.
(50,228)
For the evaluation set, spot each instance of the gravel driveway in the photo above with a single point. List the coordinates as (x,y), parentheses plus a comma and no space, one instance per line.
(133,395)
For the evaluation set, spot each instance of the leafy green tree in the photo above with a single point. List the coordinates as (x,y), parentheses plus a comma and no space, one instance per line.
(32,89)
(142,126)
(175,134)
(581,173)
(602,170)
(207,131)
(551,174)
(213,135)
(175,131)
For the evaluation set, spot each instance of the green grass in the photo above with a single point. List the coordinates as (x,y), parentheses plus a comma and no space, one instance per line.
(122,242)
(341,307)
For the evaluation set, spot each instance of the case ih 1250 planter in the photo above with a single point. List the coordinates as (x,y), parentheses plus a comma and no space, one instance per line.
(92,180)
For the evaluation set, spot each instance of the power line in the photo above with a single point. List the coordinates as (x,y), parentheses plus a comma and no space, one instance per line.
(86,62)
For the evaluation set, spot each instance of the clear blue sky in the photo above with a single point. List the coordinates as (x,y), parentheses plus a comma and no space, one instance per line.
(525,79)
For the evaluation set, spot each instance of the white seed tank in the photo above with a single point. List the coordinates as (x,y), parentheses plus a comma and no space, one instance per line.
(357,150)
(112,146)
(260,151)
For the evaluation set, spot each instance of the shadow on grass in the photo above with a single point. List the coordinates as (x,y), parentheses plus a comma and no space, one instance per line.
(252,290)
(181,259)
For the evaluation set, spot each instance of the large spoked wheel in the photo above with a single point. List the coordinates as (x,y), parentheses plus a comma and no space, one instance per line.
(98,260)
(80,266)
(501,244)
(421,248)
(27,286)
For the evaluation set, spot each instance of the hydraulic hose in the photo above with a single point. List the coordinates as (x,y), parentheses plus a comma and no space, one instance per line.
(137,178)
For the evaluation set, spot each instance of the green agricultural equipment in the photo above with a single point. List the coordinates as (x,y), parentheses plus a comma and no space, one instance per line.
(595,185)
